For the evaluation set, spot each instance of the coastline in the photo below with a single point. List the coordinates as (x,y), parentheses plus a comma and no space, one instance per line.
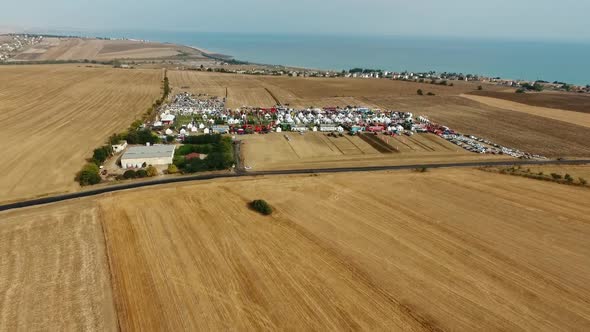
(404,54)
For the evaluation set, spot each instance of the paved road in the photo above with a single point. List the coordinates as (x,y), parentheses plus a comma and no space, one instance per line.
(114,188)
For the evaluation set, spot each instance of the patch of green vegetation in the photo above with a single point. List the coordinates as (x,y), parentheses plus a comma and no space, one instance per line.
(219,152)
(261,206)
(89,175)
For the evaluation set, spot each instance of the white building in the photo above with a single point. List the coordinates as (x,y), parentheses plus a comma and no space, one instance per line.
(119,147)
(136,156)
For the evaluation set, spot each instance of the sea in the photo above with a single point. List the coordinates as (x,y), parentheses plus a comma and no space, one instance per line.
(511,59)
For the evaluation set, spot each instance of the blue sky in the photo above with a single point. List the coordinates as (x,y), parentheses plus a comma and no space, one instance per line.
(519,19)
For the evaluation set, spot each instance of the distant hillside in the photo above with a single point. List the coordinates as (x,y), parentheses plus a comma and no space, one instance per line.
(68,48)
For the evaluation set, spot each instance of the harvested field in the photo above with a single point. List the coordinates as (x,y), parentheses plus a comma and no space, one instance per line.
(316,150)
(566,101)
(573,117)
(52,117)
(446,249)
(530,133)
(94,49)
(53,270)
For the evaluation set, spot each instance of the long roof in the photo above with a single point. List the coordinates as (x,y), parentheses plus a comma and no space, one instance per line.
(154,151)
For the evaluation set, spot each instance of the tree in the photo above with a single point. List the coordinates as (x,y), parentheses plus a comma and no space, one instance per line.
(101,154)
(89,175)
(420,92)
(130,174)
(261,206)
(151,171)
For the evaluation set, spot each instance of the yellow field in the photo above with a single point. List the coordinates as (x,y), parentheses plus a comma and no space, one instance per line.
(52,117)
(442,250)
(316,150)
(53,270)
(577,118)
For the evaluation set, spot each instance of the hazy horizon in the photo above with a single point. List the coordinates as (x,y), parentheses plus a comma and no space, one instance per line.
(523,20)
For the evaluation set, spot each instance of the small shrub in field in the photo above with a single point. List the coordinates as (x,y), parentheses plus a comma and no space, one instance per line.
(261,206)
(130,174)
(151,171)
(420,92)
(431,94)
(89,175)
(172,169)
(583,181)
(556,176)
(142,173)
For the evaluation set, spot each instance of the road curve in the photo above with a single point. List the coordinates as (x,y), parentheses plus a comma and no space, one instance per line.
(133,185)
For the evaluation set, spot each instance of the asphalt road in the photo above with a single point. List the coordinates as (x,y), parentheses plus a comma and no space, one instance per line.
(133,185)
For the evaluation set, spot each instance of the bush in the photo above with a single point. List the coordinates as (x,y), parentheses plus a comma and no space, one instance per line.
(420,92)
(151,171)
(556,176)
(142,173)
(568,178)
(261,206)
(431,94)
(101,154)
(520,91)
(130,174)
(89,175)
(479,87)
(583,181)
(172,169)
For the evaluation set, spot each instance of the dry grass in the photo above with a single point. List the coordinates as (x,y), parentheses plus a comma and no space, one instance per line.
(575,171)
(52,117)
(566,101)
(528,132)
(53,271)
(450,250)
(441,250)
(577,118)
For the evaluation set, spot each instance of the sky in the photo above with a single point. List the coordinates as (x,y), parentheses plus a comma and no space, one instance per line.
(516,19)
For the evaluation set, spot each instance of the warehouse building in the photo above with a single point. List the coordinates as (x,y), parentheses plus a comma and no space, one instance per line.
(155,155)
